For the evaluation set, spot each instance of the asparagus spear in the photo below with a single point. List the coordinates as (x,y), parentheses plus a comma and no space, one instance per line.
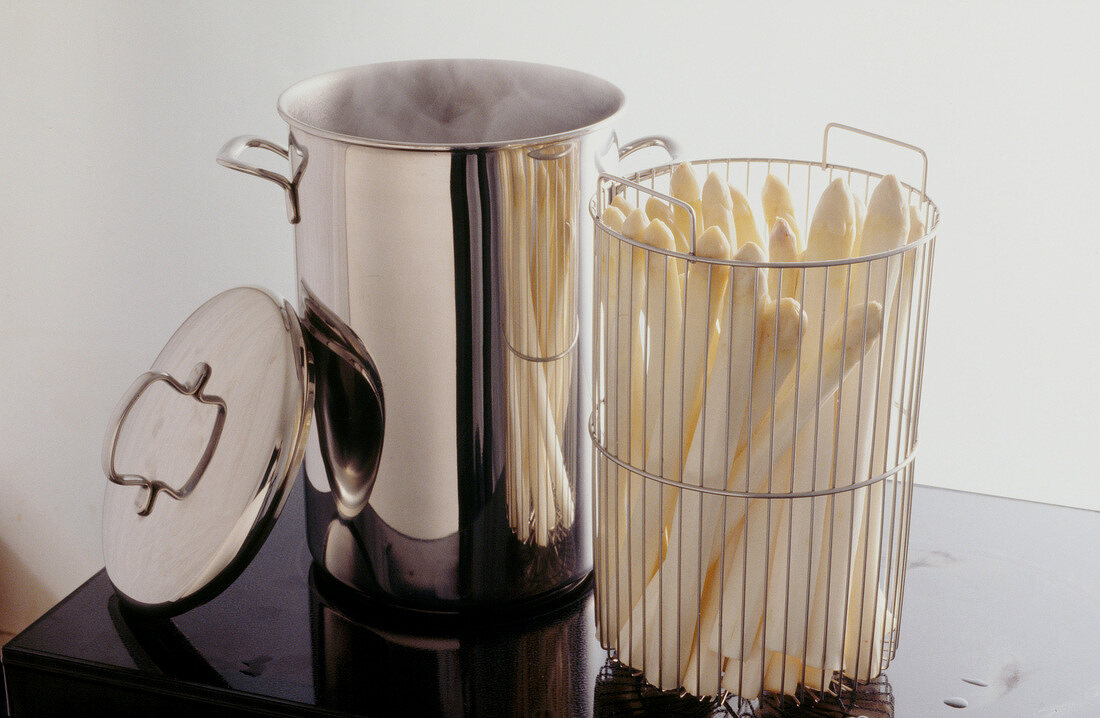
(684,186)
(630,407)
(886,228)
(620,203)
(713,447)
(718,207)
(742,217)
(861,215)
(663,392)
(771,437)
(656,209)
(783,247)
(705,291)
(778,204)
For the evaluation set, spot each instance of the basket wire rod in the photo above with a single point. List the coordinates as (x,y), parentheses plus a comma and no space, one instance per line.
(725,509)
(603,250)
(855,467)
(805,213)
(640,188)
(771,488)
(878,576)
(911,327)
(732,494)
(630,478)
(744,630)
(794,444)
(876,136)
(876,418)
(865,259)
(829,502)
(891,576)
(925,300)
(855,448)
(817,423)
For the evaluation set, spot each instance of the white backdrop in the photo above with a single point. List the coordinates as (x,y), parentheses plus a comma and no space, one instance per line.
(117,222)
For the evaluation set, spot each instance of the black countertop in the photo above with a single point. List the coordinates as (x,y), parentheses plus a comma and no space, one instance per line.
(998,592)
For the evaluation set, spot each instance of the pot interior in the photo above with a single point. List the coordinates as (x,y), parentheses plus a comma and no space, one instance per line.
(449,103)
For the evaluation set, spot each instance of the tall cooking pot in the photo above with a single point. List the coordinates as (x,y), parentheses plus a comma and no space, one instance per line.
(444,278)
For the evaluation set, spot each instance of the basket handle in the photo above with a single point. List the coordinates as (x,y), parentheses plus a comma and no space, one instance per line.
(883,138)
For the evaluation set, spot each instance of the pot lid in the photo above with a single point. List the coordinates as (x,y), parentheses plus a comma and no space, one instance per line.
(202,451)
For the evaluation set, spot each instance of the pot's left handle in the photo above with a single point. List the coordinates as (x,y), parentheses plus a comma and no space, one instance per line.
(230,156)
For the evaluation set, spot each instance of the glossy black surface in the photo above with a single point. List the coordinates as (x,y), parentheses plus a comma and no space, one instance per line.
(1001,609)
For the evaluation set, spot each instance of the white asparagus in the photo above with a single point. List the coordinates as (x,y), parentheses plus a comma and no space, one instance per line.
(705,294)
(651,505)
(864,641)
(771,437)
(783,247)
(781,324)
(861,216)
(823,294)
(723,411)
(886,228)
(664,315)
(728,389)
(782,674)
(743,218)
(750,566)
(656,209)
(684,186)
(777,202)
(621,203)
(558,314)
(630,398)
(718,208)
(706,286)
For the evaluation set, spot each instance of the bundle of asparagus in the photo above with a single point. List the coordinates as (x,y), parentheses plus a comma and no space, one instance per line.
(540,328)
(761,380)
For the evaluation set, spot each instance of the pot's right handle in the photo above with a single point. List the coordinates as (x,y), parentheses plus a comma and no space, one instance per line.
(666,143)
(230,156)
(614,153)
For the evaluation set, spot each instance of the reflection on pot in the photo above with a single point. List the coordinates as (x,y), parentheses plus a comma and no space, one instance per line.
(540,195)
(396,664)
(350,409)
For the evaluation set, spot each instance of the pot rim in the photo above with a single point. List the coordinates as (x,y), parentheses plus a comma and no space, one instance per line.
(617,102)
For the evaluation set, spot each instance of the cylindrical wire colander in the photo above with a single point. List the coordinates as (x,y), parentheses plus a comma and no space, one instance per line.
(754,457)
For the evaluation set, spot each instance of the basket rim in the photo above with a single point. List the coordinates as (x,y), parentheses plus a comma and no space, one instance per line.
(632,180)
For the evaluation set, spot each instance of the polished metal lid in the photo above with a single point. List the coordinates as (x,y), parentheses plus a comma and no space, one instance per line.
(202,451)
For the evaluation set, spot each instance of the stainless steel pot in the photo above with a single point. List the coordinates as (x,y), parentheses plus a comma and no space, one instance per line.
(444,267)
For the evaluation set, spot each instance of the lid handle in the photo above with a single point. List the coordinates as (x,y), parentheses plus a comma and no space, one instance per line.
(194,388)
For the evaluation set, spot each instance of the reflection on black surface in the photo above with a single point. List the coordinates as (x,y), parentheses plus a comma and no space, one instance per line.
(404,665)
(623,693)
(157,646)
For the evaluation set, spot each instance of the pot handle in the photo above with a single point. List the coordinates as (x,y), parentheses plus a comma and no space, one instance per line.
(614,153)
(666,143)
(229,156)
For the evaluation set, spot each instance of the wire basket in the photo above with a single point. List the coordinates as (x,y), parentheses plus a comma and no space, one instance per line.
(755,426)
